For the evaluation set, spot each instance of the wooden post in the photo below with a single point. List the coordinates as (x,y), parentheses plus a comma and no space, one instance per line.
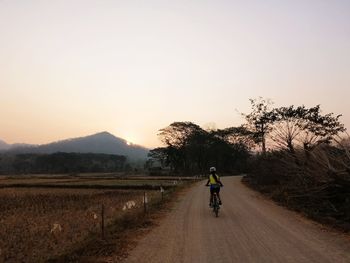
(103,221)
(145,202)
(162,192)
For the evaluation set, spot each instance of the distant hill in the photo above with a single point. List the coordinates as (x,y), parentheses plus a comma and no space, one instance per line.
(103,142)
(4,145)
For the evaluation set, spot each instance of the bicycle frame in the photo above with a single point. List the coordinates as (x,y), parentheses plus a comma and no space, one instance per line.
(216,205)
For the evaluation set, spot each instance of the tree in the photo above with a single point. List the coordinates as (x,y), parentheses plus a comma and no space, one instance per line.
(237,135)
(179,137)
(321,128)
(177,133)
(304,127)
(260,120)
(191,149)
(158,155)
(288,125)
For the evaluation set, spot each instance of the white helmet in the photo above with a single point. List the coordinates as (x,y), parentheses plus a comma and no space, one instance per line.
(212,169)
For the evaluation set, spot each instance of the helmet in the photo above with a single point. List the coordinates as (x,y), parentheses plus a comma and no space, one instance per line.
(212,169)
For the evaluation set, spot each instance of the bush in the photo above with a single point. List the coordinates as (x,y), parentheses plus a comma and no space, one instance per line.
(315,182)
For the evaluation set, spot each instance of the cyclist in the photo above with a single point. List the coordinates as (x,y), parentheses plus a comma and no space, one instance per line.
(215,184)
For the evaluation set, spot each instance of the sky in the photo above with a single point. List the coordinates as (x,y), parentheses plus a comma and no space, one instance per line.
(78,67)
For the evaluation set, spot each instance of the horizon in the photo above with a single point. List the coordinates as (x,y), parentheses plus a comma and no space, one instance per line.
(73,69)
(78,137)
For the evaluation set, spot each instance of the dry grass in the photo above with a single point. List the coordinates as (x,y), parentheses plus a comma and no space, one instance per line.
(316,182)
(86,181)
(37,224)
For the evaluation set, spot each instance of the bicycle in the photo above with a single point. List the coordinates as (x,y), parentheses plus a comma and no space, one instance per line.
(215,205)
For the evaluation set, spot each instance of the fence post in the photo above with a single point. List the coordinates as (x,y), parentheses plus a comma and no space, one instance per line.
(162,192)
(103,221)
(145,202)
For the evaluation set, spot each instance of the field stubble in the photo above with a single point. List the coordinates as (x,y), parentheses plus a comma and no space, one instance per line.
(37,224)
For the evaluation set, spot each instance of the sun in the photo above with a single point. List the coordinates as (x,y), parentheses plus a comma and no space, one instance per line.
(129,141)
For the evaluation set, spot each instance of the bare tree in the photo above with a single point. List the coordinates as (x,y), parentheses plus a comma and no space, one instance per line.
(303,127)
(260,120)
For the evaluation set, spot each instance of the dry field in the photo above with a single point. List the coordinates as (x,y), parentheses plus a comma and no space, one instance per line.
(85,181)
(37,223)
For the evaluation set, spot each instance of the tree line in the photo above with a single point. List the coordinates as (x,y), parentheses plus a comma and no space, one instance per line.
(190,149)
(291,127)
(61,162)
(298,155)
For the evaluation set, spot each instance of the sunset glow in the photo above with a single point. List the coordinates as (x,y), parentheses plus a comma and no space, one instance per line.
(73,68)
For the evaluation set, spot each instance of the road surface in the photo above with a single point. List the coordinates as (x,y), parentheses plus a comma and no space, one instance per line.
(249,228)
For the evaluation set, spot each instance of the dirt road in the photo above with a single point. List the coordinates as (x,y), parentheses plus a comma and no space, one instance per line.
(249,228)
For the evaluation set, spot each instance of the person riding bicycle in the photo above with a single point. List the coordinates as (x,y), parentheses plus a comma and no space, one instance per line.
(215,184)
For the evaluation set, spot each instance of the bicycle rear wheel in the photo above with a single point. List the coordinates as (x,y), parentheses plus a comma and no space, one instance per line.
(216,206)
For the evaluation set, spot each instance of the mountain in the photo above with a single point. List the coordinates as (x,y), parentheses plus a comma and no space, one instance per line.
(4,146)
(102,142)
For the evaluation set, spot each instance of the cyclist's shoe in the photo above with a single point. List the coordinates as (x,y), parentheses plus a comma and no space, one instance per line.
(220,202)
(210,205)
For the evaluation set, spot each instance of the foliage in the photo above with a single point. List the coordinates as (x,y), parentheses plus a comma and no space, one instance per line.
(191,149)
(308,166)
(177,134)
(292,126)
(303,127)
(259,120)
(318,183)
(61,163)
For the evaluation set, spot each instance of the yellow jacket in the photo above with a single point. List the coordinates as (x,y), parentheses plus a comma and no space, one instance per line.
(212,179)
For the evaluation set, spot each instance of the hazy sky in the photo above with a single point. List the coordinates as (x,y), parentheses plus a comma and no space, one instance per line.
(73,68)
